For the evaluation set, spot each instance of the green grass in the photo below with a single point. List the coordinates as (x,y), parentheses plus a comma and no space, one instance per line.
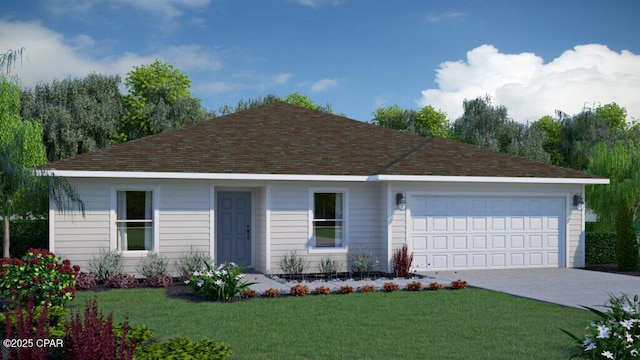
(446,324)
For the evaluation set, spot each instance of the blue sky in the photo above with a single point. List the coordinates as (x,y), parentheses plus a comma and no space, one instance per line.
(532,56)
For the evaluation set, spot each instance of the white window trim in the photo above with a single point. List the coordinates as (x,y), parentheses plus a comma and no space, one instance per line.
(345,222)
(155,202)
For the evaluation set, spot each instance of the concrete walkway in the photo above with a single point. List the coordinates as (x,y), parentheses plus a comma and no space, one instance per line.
(568,287)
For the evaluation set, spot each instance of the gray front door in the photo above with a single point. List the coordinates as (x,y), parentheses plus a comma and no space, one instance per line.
(233,224)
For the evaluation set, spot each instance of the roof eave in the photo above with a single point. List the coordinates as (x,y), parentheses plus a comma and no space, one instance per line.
(302,177)
(489,179)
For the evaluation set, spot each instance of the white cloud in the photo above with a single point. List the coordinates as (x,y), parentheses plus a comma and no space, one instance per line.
(49,55)
(434,18)
(283,78)
(323,85)
(530,88)
(164,8)
(317,3)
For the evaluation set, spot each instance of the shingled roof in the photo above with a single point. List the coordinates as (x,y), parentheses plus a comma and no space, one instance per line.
(284,139)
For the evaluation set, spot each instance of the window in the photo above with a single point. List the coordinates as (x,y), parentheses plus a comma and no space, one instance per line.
(328,219)
(134,220)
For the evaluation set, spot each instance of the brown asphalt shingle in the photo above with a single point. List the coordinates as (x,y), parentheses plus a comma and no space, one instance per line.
(284,139)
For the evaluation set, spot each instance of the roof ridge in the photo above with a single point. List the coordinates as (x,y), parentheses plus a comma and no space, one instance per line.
(403,156)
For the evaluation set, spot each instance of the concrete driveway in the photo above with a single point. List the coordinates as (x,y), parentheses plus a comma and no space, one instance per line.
(568,287)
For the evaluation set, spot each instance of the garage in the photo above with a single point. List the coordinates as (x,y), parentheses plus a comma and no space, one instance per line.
(486,232)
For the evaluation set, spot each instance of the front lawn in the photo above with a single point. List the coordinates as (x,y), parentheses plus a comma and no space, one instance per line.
(446,324)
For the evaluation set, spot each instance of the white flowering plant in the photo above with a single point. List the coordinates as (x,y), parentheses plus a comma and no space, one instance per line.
(223,283)
(615,335)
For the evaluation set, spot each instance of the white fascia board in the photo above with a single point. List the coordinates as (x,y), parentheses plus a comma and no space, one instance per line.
(488,179)
(201,176)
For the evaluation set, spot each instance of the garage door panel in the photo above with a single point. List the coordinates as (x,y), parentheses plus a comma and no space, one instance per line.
(480,242)
(439,224)
(460,224)
(479,224)
(486,232)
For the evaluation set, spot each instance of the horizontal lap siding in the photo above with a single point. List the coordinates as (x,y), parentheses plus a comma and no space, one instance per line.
(78,238)
(289,222)
(184,220)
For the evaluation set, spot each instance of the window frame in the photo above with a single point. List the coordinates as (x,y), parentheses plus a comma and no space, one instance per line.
(155,191)
(312,248)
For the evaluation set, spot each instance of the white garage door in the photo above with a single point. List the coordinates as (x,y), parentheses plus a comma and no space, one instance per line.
(486,232)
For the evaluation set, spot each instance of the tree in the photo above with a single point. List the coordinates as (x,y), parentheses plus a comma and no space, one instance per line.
(618,202)
(489,126)
(21,148)
(424,122)
(581,132)
(154,91)
(552,130)
(293,99)
(77,115)
(614,115)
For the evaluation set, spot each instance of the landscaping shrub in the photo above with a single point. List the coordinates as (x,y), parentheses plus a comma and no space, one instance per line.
(626,243)
(414,286)
(402,261)
(152,265)
(138,335)
(615,335)
(181,348)
(24,326)
(85,281)
(435,286)
(600,248)
(390,287)
(271,293)
(122,281)
(221,284)
(27,234)
(193,261)
(159,280)
(106,264)
(459,284)
(249,293)
(38,274)
(55,316)
(363,262)
(329,267)
(293,264)
(93,337)
(345,289)
(367,288)
(299,290)
(322,290)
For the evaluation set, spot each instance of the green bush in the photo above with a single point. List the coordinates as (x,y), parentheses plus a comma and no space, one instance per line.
(55,319)
(26,234)
(600,248)
(194,260)
(153,264)
(38,275)
(106,264)
(181,348)
(626,250)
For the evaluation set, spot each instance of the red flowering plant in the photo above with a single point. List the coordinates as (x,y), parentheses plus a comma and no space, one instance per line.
(39,274)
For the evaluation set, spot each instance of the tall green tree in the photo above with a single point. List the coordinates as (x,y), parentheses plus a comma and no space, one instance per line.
(77,115)
(21,188)
(489,126)
(581,132)
(424,122)
(614,115)
(552,130)
(159,99)
(619,202)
